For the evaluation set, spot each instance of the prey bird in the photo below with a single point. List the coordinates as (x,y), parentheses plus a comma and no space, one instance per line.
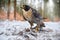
(32,16)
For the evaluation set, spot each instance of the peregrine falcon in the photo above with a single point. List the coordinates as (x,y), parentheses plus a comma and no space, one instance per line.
(32,16)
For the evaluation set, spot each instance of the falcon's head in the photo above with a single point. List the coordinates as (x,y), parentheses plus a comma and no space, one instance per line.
(25,7)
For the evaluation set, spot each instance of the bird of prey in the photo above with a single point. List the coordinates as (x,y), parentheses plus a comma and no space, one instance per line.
(32,16)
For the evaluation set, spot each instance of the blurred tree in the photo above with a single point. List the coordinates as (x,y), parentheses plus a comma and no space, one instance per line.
(15,9)
(8,9)
(46,0)
(1,3)
(4,4)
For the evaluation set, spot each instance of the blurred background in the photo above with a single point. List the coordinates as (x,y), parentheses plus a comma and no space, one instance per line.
(10,9)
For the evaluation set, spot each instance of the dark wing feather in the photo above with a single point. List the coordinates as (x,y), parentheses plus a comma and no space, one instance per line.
(36,14)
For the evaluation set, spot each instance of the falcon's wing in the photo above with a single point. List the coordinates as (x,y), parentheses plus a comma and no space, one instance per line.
(36,14)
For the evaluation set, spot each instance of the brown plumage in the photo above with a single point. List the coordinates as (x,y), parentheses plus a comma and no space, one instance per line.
(32,16)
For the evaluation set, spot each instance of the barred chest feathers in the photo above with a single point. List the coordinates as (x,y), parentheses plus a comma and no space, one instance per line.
(27,14)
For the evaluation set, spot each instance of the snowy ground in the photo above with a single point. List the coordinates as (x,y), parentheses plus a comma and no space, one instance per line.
(15,30)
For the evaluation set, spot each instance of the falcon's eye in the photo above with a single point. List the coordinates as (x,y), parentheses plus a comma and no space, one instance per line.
(23,6)
(26,7)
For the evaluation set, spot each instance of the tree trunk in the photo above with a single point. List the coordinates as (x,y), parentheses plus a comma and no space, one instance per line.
(1,4)
(8,9)
(15,9)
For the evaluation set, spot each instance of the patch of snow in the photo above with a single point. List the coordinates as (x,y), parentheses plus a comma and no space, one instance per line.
(9,31)
(55,26)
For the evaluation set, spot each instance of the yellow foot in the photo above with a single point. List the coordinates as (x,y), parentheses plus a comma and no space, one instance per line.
(36,29)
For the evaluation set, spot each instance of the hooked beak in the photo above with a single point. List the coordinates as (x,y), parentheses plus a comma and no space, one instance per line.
(22,7)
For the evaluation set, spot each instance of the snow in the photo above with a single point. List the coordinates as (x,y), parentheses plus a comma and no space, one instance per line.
(55,26)
(9,31)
